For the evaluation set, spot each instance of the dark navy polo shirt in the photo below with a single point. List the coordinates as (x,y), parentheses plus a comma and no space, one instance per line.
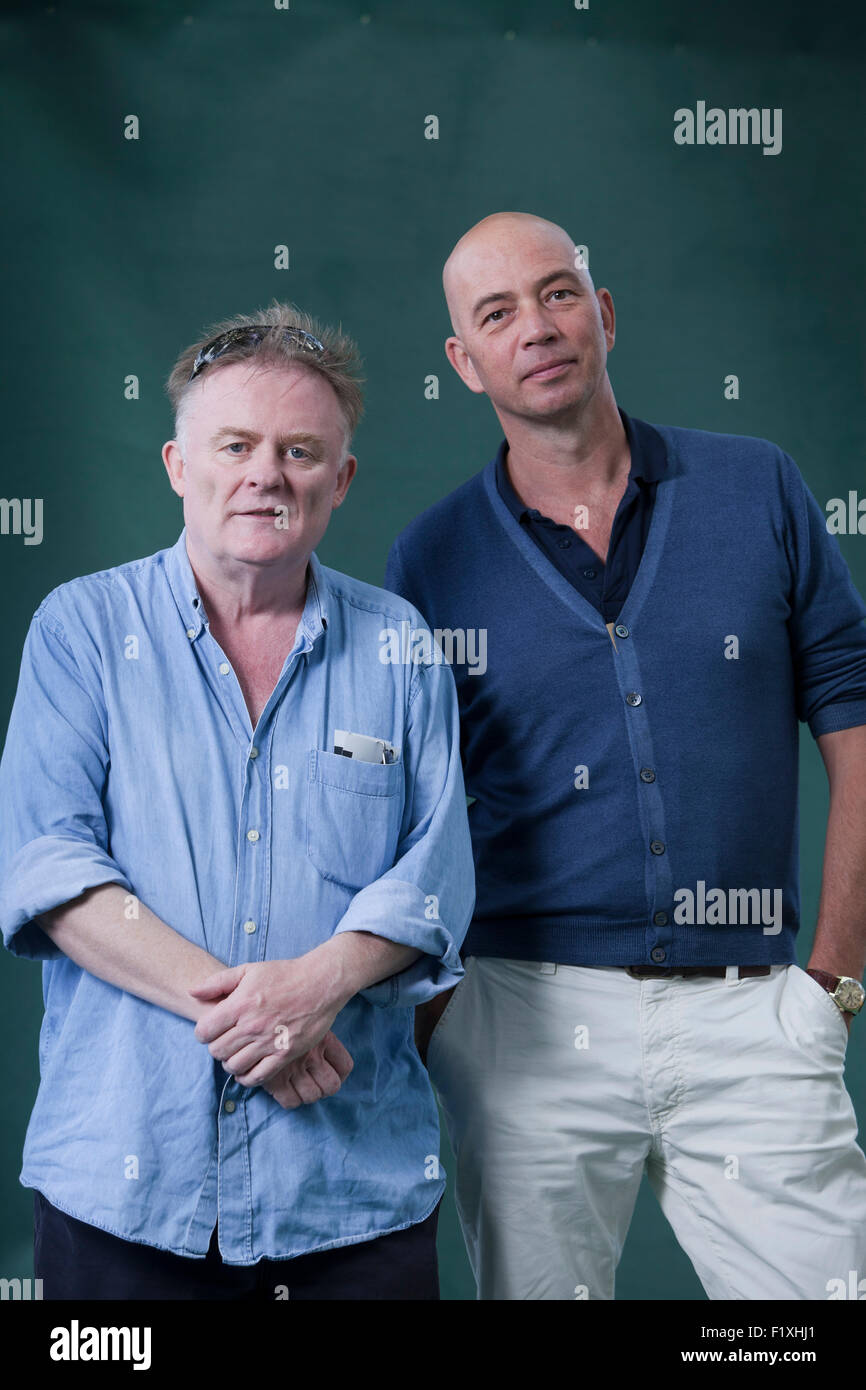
(604,584)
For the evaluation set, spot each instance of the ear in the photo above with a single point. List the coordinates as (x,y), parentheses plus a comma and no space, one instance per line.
(608,316)
(173,460)
(463,365)
(345,474)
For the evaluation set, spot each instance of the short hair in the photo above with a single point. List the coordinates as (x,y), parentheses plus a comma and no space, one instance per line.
(340,364)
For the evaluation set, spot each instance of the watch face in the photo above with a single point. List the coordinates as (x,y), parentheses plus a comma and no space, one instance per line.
(849,995)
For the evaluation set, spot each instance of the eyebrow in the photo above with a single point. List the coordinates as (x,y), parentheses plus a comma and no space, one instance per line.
(294,437)
(567,274)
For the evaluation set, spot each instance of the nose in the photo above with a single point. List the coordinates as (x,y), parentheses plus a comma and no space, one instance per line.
(538,326)
(265,469)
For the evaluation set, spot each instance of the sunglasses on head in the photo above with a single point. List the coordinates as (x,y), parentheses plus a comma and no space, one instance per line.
(249,336)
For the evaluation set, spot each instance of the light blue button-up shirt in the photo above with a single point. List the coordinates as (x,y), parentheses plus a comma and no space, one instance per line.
(131,759)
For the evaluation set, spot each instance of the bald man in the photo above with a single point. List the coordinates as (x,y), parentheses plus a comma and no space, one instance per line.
(637,618)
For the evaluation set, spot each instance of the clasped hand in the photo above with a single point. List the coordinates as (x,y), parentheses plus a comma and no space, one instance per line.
(269,1024)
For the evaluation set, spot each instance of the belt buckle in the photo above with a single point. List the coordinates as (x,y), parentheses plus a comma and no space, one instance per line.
(643,972)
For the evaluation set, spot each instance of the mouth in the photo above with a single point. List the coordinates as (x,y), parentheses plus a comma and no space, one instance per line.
(549,369)
(267,512)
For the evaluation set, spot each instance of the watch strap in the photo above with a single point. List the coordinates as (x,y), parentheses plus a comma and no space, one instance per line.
(825,979)
(833,983)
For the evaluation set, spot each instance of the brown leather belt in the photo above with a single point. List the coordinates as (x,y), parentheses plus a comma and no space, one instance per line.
(652,972)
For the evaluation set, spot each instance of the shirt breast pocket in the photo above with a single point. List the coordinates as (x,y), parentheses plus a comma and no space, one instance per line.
(354,810)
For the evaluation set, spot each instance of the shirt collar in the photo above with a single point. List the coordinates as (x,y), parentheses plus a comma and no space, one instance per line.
(648,462)
(314,619)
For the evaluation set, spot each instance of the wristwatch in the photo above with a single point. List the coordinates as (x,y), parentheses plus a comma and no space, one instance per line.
(847,994)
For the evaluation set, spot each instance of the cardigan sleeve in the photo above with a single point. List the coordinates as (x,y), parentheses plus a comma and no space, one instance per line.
(828,634)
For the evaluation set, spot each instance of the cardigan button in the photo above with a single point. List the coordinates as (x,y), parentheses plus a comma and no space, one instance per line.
(621,630)
(647,774)
(660,919)
(658,954)
(632,698)
(657,846)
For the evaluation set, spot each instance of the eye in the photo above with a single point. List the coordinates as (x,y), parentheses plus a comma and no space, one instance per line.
(491,317)
(562,291)
(297,449)
(238,444)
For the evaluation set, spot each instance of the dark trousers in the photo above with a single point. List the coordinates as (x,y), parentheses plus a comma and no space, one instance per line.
(75,1260)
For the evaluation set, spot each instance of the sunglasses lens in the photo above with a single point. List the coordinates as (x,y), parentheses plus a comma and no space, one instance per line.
(250,336)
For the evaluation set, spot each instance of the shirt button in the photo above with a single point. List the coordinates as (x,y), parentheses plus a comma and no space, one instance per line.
(224,668)
(647,774)
(252,836)
(658,954)
(657,846)
(564,543)
(190,632)
(632,698)
(621,630)
(254,752)
(229,1107)
(660,919)
(249,928)
(589,574)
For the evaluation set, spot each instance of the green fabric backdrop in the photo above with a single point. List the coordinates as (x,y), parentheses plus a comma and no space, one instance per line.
(305,127)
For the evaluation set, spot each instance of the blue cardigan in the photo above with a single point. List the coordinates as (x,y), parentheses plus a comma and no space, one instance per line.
(636,787)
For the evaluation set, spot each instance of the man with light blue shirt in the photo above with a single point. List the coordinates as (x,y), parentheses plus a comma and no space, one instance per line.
(236,836)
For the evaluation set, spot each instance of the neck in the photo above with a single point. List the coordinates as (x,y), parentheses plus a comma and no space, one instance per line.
(234,591)
(567,456)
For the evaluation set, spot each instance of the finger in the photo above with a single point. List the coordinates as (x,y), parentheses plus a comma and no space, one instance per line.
(221,982)
(234,1041)
(239,1059)
(325,1076)
(219,1019)
(264,1071)
(305,1084)
(337,1055)
(284,1093)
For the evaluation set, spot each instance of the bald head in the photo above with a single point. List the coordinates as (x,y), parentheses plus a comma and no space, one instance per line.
(530,329)
(493,240)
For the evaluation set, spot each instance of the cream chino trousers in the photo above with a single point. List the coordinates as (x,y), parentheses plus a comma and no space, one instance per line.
(561,1085)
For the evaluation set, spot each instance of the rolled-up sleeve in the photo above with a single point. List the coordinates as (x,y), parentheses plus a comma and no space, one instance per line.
(828,634)
(53,834)
(426,898)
